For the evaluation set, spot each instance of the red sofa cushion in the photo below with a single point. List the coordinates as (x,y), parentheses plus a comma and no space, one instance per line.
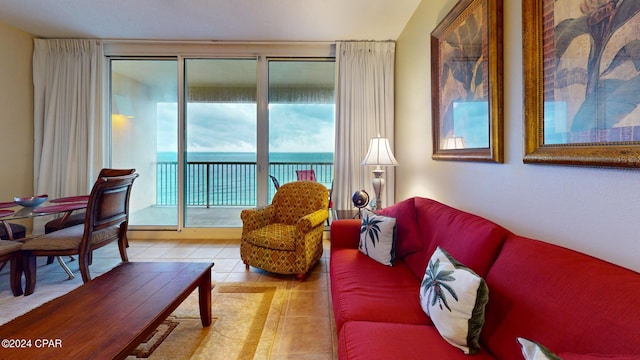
(369,340)
(471,239)
(363,289)
(408,237)
(565,300)
(571,356)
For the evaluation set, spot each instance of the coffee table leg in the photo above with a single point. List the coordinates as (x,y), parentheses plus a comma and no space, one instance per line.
(204,292)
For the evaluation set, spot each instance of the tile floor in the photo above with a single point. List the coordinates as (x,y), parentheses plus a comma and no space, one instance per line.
(306,329)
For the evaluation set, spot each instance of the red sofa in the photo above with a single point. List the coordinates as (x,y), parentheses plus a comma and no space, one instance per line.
(571,303)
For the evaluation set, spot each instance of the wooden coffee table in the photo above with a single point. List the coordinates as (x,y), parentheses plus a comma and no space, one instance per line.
(109,316)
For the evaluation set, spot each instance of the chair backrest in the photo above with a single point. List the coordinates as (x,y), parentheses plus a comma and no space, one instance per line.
(276,184)
(308,175)
(108,203)
(299,198)
(115,172)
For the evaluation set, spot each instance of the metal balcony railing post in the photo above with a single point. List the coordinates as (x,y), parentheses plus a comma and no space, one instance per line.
(233,186)
(208,185)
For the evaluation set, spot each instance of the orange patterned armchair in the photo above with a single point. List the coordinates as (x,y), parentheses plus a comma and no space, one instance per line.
(286,236)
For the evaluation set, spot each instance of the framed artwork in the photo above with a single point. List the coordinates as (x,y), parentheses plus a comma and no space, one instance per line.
(466,83)
(582,82)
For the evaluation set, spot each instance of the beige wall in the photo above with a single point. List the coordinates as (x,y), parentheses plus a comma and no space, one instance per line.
(595,211)
(16,113)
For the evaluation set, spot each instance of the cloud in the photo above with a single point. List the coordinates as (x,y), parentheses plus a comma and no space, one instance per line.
(301,128)
(227,127)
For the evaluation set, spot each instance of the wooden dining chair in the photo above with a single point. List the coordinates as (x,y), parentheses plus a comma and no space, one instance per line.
(106,221)
(308,175)
(18,231)
(77,217)
(10,251)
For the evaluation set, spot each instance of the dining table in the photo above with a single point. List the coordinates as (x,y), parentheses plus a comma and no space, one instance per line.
(61,206)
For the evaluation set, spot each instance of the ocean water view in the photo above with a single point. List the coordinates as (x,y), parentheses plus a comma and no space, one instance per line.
(200,156)
(229,178)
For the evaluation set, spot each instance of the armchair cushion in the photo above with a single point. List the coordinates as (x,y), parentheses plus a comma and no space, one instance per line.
(273,236)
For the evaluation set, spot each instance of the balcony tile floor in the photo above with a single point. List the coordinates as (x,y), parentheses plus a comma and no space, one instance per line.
(306,329)
(218,216)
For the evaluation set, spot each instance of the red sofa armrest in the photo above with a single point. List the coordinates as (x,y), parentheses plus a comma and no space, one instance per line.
(345,233)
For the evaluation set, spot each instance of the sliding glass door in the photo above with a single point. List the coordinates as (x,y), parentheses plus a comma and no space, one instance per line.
(301,119)
(144,136)
(220,146)
(206,133)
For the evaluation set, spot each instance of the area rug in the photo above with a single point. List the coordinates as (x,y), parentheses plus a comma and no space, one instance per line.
(245,320)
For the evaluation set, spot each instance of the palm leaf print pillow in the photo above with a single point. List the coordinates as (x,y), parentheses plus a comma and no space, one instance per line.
(532,350)
(454,297)
(378,237)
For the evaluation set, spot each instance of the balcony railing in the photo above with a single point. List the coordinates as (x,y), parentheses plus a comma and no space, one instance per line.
(228,183)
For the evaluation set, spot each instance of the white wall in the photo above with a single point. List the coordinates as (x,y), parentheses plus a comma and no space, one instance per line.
(595,211)
(133,140)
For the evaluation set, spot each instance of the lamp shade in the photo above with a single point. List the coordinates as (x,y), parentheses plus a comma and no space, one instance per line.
(379,153)
(456,142)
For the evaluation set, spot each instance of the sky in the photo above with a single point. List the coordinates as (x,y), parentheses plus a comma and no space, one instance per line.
(231,127)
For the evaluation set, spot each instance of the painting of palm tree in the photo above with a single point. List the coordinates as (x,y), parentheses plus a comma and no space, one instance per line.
(582,82)
(595,76)
(371,229)
(466,82)
(434,285)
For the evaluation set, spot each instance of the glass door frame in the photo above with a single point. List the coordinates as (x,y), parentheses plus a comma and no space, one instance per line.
(181,50)
(183,124)
(108,131)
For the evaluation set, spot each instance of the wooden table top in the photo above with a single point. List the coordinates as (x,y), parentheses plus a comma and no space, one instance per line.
(109,316)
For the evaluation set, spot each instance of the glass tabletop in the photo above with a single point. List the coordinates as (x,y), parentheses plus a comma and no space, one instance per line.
(16,211)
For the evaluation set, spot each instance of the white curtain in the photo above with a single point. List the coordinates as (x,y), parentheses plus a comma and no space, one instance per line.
(67,80)
(364,109)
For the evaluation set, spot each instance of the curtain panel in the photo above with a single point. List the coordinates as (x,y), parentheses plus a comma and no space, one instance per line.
(67,80)
(364,110)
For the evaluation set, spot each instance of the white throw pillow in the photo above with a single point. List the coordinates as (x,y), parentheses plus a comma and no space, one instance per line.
(531,350)
(454,297)
(378,237)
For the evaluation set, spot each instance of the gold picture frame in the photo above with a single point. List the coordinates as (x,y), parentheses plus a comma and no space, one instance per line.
(466,83)
(581,83)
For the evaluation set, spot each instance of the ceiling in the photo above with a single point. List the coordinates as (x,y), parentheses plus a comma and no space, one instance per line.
(221,20)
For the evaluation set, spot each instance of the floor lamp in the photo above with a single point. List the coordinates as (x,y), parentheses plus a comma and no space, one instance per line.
(379,154)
